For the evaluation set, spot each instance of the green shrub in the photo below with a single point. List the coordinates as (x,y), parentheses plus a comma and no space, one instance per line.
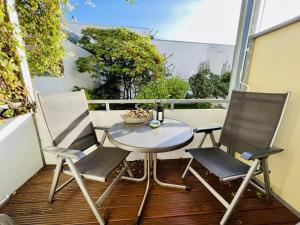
(11,88)
(204,105)
(205,84)
(164,88)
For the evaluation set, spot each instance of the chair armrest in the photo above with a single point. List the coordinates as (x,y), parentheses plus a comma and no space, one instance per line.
(261,153)
(65,153)
(101,128)
(207,129)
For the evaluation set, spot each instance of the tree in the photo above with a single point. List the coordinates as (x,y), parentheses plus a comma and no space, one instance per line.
(216,86)
(200,83)
(206,84)
(225,81)
(120,56)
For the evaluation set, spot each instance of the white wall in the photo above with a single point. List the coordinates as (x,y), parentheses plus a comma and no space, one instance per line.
(20,156)
(186,56)
(217,55)
(193,117)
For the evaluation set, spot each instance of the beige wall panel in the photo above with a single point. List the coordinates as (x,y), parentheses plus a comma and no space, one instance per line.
(275,67)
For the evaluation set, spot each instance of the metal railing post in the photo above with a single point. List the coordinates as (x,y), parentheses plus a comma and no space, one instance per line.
(107,107)
(247,25)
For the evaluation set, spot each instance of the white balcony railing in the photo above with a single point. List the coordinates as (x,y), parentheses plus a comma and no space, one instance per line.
(172,102)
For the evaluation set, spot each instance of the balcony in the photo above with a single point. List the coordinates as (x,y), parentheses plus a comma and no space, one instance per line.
(264,62)
(164,206)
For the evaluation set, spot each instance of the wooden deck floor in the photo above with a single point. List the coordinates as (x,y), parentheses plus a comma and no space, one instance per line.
(164,206)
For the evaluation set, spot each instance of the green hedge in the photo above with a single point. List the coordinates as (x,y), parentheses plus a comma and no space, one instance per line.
(41,22)
(11,88)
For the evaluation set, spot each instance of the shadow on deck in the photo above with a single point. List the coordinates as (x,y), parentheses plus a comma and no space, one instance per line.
(164,206)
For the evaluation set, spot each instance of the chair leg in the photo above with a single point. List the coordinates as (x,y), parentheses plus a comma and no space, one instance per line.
(189,164)
(240,191)
(265,168)
(86,195)
(187,169)
(55,179)
(110,188)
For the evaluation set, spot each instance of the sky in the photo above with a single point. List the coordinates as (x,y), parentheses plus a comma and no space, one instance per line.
(208,21)
(274,12)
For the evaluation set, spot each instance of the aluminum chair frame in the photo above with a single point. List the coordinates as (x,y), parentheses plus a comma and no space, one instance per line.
(70,157)
(258,166)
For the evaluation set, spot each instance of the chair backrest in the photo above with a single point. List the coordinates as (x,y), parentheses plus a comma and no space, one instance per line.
(252,120)
(67,119)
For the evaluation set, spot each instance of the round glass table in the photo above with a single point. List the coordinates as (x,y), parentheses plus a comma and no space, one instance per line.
(170,136)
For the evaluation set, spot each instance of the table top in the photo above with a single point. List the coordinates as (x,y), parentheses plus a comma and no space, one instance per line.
(171,135)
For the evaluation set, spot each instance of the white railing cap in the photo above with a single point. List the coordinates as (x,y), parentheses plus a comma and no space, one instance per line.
(165,101)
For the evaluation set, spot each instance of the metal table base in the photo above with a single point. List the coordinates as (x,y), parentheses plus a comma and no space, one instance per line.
(150,169)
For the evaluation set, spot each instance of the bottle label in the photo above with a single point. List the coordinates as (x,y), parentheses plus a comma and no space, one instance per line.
(159,117)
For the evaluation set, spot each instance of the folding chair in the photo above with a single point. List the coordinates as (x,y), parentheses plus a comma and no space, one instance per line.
(67,119)
(250,128)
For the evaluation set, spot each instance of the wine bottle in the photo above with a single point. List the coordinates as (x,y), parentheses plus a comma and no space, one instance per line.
(160,112)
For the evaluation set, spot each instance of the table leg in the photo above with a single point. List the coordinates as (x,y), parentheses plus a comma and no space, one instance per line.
(154,156)
(147,163)
(142,178)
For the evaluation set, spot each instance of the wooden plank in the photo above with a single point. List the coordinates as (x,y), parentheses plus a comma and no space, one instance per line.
(164,206)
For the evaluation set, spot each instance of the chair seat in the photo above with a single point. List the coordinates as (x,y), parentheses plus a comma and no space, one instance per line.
(219,162)
(99,163)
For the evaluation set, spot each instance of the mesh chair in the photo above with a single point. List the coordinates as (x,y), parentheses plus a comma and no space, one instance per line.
(67,119)
(250,127)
